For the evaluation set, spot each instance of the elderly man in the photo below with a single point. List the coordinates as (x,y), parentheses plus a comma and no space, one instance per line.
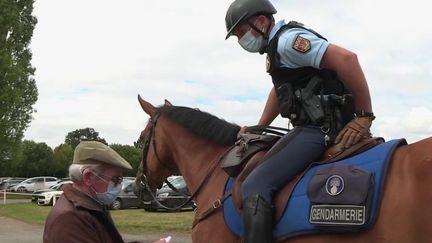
(81,214)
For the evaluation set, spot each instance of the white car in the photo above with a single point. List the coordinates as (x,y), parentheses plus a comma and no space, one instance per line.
(47,198)
(35,183)
(36,195)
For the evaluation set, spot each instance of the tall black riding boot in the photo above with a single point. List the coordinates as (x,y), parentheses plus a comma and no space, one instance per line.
(258,220)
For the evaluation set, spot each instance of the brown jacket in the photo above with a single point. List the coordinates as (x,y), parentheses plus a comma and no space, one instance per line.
(76,217)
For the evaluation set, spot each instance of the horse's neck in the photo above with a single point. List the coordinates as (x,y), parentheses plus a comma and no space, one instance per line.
(195,157)
(198,164)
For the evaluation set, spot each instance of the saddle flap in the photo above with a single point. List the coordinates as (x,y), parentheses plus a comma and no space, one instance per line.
(246,146)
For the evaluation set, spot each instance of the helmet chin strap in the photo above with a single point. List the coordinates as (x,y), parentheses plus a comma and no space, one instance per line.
(264,34)
(253,26)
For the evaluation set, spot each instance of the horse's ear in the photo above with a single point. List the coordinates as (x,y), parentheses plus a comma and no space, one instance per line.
(147,107)
(167,103)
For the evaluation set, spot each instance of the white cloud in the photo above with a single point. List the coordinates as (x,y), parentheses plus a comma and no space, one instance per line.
(94,57)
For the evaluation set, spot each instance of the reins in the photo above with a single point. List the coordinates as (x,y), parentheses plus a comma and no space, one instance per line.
(267,129)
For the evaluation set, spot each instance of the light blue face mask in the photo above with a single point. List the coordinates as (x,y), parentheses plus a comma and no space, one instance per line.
(108,197)
(251,43)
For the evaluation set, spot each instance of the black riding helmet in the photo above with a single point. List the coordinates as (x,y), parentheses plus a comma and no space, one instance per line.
(241,10)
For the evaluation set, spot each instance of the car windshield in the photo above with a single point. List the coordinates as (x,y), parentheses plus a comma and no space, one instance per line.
(54,187)
(178,182)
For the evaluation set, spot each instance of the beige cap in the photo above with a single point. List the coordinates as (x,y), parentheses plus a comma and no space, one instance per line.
(93,152)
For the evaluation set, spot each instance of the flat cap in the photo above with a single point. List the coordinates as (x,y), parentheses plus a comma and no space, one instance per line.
(94,152)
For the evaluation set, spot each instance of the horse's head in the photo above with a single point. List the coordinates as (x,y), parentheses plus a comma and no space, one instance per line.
(156,164)
(182,132)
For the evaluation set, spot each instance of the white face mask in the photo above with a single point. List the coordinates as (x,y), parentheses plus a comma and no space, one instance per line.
(251,43)
(108,197)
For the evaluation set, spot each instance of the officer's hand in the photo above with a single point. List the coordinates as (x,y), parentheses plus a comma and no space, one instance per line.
(241,131)
(354,131)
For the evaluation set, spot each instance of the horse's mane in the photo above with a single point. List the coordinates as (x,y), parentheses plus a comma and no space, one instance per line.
(202,124)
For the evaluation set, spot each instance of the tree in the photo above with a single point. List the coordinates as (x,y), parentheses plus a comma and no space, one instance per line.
(62,159)
(130,154)
(18,91)
(75,137)
(37,159)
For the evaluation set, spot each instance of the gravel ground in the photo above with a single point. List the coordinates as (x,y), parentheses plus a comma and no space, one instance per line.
(16,231)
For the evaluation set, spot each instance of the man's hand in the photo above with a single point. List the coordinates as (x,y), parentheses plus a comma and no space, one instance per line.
(164,240)
(354,131)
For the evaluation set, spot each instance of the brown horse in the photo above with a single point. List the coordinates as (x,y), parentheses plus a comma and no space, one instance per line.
(190,142)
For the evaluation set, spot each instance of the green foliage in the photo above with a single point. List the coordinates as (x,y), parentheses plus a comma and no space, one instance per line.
(75,137)
(18,91)
(131,154)
(37,159)
(62,158)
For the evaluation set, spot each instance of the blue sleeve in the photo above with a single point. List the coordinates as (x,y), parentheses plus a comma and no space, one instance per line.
(300,48)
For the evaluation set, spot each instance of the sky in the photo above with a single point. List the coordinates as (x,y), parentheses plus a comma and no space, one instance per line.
(93,57)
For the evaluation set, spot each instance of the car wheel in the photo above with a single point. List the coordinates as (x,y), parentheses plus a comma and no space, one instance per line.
(117,204)
(21,189)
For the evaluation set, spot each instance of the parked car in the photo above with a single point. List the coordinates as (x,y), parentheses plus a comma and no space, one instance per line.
(45,196)
(9,182)
(170,198)
(127,198)
(35,183)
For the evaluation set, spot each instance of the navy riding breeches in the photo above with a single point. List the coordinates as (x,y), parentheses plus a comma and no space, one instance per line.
(287,158)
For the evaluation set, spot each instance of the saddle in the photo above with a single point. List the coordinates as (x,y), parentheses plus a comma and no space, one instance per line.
(246,155)
(245,147)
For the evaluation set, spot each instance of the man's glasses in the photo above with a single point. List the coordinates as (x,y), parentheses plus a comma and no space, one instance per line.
(115,179)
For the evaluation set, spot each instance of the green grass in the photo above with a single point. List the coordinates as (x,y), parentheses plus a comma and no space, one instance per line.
(26,212)
(138,221)
(14,196)
(133,221)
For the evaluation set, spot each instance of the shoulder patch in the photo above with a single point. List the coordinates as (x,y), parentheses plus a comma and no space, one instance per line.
(301,44)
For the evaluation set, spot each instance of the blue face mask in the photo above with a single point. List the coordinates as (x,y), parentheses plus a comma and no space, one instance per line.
(108,197)
(251,43)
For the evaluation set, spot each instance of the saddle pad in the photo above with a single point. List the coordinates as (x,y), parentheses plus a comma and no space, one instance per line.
(295,219)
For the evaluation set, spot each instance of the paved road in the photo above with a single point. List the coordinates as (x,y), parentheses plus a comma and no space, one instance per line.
(16,231)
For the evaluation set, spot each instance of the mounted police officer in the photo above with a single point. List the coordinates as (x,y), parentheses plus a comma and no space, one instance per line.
(320,87)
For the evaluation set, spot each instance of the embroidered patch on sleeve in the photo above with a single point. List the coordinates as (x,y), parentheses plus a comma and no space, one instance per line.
(301,44)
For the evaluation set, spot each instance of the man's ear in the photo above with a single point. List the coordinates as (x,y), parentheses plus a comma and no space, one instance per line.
(263,23)
(87,177)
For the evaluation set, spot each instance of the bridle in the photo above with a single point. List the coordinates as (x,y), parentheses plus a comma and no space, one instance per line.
(150,138)
(143,180)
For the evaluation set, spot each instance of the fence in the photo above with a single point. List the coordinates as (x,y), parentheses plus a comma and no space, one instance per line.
(5,193)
